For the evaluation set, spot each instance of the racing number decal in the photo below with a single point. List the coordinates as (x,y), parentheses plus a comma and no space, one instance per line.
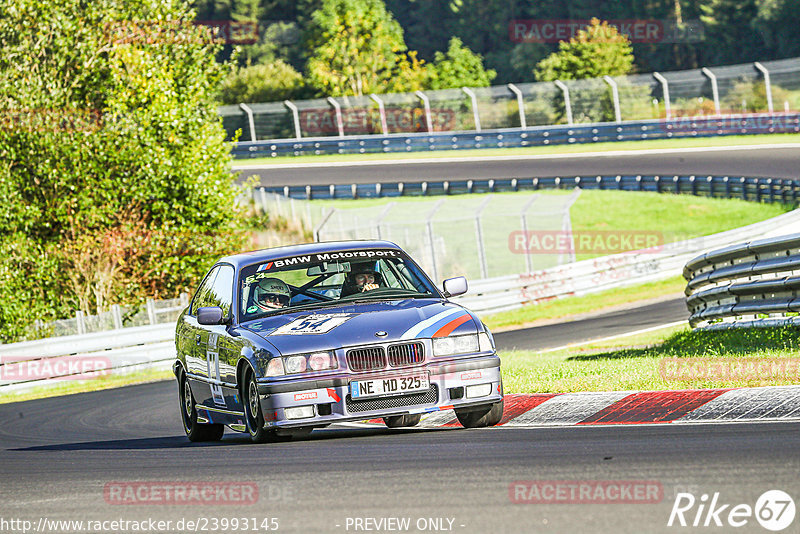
(313,324)
(212,360)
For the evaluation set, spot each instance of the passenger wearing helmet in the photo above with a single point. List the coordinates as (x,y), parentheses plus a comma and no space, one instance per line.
(270,294)
(362,277)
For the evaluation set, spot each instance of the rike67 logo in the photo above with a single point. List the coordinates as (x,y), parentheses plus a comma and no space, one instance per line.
(774,510)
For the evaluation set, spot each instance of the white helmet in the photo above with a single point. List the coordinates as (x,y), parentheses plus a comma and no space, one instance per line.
(271,294)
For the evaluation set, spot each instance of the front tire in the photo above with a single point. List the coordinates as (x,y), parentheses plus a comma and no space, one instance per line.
(195,431)
(252,411)
(399,421)
(483,416)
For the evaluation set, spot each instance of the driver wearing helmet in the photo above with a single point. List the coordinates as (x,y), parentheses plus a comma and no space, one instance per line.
(363,277)
(270,294)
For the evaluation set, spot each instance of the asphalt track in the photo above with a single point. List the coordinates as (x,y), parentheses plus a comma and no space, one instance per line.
(736,161)
(58,454)
(595,327)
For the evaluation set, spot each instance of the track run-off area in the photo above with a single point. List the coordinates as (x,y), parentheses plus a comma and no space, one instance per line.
(120,454)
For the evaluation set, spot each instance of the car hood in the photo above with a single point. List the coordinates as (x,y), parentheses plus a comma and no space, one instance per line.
(362,323)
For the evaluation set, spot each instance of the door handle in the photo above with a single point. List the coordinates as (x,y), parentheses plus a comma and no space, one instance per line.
(197,338)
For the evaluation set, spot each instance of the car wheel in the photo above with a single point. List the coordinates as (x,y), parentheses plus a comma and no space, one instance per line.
(195,431)
(399,421)
(252,411)
(482,416)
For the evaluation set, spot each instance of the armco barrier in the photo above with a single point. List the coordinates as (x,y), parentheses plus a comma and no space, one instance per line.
(746,124)
(49,361)
(757,189)
(747,284)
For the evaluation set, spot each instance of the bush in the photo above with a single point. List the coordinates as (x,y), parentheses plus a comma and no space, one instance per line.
(271,82)
(754,96)
(115,171)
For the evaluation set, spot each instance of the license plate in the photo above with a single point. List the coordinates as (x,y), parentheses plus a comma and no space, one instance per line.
(362,389)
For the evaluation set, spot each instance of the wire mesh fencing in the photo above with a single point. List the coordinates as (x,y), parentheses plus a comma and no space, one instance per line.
(464,235)
(152,312)
(732,89)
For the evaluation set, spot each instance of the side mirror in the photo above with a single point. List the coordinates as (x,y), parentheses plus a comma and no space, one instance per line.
(209,315)
(455,286)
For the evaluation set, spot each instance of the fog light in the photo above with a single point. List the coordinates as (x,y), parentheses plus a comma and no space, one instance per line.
(299,412)
(480,390)
(457,393)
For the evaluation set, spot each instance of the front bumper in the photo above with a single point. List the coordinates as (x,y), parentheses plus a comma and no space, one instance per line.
(331,401)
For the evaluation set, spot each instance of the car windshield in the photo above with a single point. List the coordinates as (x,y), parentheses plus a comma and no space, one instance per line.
(319,280)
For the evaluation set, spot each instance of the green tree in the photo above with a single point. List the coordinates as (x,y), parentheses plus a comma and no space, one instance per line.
(459,67)
(268,82)
(356,46)
(115,173)
(597,51)
(730,33)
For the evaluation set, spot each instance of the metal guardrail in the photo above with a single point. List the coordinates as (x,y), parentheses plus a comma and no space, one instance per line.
(742,124)
(51,361)
(748,284)
(758,189)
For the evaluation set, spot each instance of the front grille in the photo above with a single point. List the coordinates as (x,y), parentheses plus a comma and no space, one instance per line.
(367,405)
(407,354)
(366,359)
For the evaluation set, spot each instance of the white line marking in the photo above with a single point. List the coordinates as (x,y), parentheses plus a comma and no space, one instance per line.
(412,332)
(521,157)
(626,334)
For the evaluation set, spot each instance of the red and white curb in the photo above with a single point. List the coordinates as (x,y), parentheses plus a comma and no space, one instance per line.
(774,403)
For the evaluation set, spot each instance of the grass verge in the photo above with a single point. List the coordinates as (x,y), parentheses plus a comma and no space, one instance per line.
(669,359)
(571,306)
(537,150)
(69,387)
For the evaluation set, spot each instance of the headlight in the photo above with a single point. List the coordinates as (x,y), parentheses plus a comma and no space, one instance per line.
(275,367)
(320,361)
(295,364)
(445,346)
(315,361)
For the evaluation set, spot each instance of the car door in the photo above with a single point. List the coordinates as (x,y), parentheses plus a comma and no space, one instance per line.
(193,337)
(216,346)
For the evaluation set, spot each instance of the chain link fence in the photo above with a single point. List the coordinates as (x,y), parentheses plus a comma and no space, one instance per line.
(152,312)
(448,236)
(732,89)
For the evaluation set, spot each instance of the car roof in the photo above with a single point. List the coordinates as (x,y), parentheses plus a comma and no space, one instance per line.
(270,254)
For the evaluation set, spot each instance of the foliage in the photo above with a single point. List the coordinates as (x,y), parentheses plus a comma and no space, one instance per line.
(115,170)
(459,67)
(754,96)
(358,48)
(597,51)
(355,46)
(270,82)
